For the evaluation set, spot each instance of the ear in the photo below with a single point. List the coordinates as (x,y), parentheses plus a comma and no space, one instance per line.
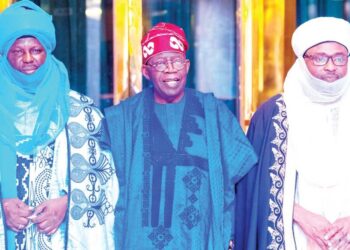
(188,63)
(145,72)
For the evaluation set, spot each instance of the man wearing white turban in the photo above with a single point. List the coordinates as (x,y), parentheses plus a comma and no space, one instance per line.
(297,195)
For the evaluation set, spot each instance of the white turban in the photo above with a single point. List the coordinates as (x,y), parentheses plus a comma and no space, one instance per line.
(318,131)
(318,30)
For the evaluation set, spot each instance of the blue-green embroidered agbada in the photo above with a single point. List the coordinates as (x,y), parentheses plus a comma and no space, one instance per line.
(177,165)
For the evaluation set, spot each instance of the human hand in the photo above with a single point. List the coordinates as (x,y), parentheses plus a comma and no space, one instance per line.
(338,235)
(16,213)
(49,215)
(230,245)
(313,225)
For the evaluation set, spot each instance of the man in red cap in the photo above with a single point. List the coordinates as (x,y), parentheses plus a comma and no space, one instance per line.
(178,155)
(163,44)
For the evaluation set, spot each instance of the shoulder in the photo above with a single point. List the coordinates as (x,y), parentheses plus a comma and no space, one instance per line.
(269,108)
(213,104)
(208,99)
(130,104)
(79,101)
(216,109)
(267,114)
(272,101)
(200,95)
(80,98)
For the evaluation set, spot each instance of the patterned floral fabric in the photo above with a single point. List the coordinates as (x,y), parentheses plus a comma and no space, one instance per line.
(260,193)
(92,168)
(277,173)
(79,164)
(33,188)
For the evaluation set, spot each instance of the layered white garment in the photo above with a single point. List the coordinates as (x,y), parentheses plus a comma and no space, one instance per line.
(318,158)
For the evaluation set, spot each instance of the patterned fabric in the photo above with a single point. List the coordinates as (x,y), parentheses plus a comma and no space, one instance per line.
(260,193)
(92,189)
(33,107)
(176,181)
(163,158)
(34,180)
(93,169)
(23,165)
(277,173)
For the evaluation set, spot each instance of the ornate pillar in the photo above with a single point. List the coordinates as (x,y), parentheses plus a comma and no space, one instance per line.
(127,25)
(4,4)
(265,52)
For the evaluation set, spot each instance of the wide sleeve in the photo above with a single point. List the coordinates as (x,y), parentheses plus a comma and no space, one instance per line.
(117,134)
(93,184)
(238,157)
(252,193)
(237,154)
(110,187)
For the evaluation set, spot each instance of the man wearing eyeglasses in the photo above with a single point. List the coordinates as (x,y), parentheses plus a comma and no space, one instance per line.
(298,194)
(178,154)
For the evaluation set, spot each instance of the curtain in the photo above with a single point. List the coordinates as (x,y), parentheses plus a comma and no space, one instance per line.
(70,21)
(307,9)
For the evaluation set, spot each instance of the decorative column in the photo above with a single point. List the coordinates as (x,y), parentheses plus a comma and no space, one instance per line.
(265,52)
(4,4)
(127,25)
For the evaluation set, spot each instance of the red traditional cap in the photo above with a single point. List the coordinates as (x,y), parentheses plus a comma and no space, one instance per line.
(161,38)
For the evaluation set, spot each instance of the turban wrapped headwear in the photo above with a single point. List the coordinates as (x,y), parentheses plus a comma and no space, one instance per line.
(318,125)
(33,107)
(163,37)
(310,34)
(24,18)
(319,30)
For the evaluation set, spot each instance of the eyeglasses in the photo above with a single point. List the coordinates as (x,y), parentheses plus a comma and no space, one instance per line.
(162,65)
(321,60)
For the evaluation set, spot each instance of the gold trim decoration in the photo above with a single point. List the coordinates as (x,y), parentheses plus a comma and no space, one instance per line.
(265,54)
(127,25)
(4,4)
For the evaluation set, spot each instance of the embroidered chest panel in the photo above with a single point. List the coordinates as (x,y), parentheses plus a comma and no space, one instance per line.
(90,167)
(172,203)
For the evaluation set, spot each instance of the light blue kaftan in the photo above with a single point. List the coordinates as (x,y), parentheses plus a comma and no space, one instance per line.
(177,165)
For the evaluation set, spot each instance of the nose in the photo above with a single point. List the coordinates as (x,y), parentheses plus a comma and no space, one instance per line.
(27,57)
(330,65)
(170,67)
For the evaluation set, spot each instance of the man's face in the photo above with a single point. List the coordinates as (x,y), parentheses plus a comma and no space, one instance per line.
(26,55)
(169,84)
(328,72)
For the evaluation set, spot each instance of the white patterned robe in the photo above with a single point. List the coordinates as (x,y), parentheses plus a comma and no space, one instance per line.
(79,164)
